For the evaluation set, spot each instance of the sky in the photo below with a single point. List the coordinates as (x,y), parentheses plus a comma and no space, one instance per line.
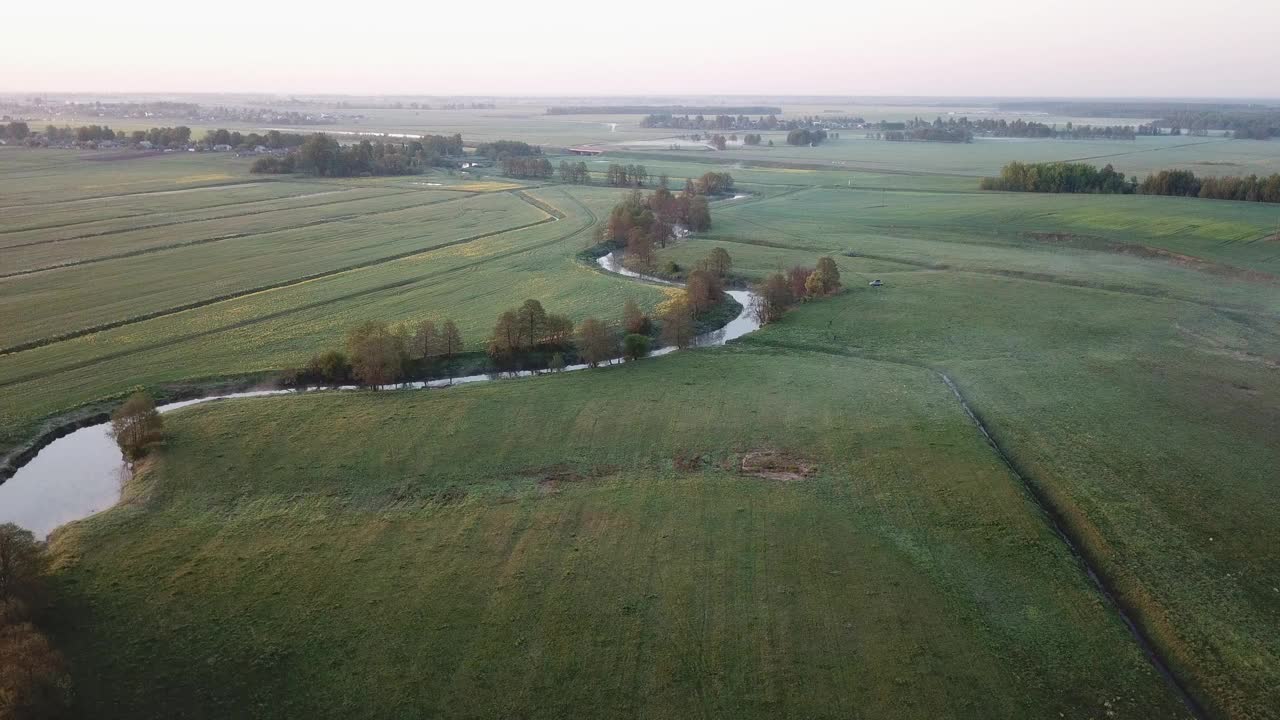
(1171,48)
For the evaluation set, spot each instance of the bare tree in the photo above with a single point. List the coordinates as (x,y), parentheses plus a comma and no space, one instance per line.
(136,425)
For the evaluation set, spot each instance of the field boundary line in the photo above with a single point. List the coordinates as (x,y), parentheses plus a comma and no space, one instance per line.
(1049,511)
(590,221)
(202,208)
(786,165)
(1144,150)
(71,335)
(145,192)
(232,236)
(1027,276)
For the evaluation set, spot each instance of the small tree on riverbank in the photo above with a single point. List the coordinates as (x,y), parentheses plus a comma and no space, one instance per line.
(829,274)
(377,354)
(677,322)
(635,346)
(136,425)
(772,298)
(634,320)
(594,342)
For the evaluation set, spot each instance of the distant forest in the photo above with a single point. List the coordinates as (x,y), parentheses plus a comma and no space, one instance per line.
(1243,120)
(963,130)
(324,156)
(669,109)
(1060,177)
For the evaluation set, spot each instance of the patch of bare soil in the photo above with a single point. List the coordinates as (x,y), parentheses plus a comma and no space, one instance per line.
(552,477)
(777,465)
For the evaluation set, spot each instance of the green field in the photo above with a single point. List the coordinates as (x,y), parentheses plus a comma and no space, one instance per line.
(538,555)
(586,544)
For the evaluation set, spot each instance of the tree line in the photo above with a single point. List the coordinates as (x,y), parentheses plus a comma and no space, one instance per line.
(642,224)
(16,131)
(500,149)
(928,134)
(805,136)
(575,173)
(377,354)
(322,155)
(779,292)
(626,175)
(1058,177)
(661,110)
(1242,120)
(963,129)
(520,166)
(272,140)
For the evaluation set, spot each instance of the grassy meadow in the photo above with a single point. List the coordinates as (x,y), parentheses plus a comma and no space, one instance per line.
(587,544)
(583,545)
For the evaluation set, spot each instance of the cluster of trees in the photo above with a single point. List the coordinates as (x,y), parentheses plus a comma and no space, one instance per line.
(1057,177)
(662,110)
(83,134)
(575,173)
(1184,183)
(164,137)
(16,131)
(1023,129)
(724,123)
(507,148)
(805,136)
(530,166)
(433,147)
(1242,120)
(273,139)
(930,134)
(626,175)
(34,682)
(641,224)
(713,183)
(324,156)
(1242,123)
(377,354)
(963,129)
(700,122)
(528,331)
(780,291)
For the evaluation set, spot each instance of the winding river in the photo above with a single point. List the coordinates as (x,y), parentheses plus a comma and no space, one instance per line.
(83,473)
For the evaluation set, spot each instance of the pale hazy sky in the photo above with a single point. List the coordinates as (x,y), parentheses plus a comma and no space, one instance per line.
(1222,48)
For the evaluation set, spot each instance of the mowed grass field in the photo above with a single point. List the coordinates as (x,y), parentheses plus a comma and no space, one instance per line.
(201,297)
(525,541)
(531,549)
(1138,393)
(985,156)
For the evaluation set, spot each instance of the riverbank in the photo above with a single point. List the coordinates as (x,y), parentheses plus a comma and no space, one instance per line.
(74,470)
